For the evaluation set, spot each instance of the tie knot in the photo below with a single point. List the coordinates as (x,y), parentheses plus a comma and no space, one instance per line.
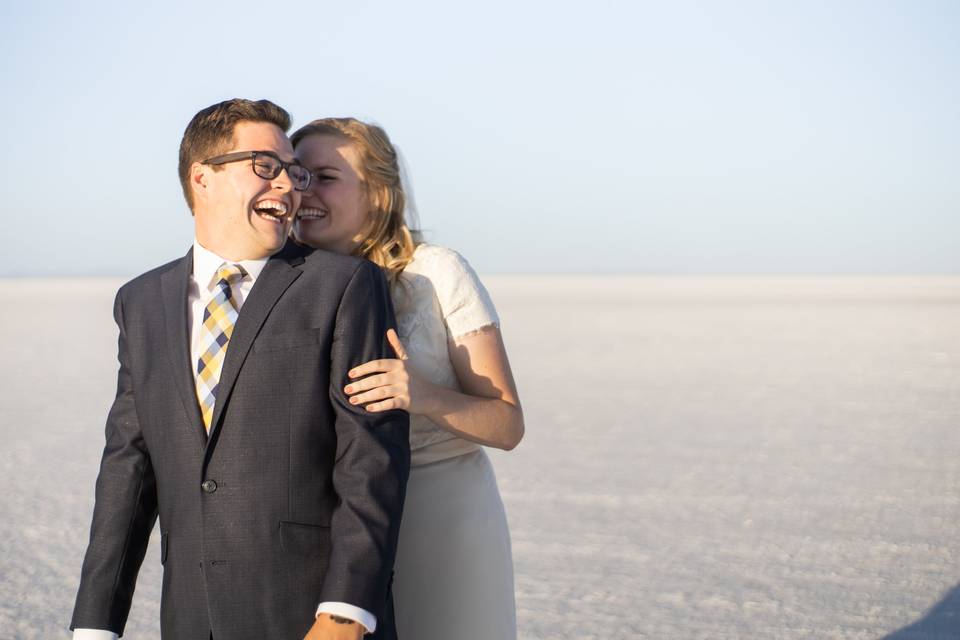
(231,273)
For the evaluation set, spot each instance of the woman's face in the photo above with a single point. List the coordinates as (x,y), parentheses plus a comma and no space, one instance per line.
(334,210)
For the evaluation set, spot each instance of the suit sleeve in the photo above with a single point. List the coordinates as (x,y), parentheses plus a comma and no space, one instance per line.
(373,454)
(125,509)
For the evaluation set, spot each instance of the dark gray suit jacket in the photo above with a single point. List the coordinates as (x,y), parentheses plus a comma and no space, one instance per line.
(294,499)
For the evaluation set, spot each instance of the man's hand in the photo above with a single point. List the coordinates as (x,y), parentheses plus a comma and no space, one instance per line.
(330,627)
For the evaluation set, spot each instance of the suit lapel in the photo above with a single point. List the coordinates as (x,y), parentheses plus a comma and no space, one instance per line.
(173,289)
(277,275)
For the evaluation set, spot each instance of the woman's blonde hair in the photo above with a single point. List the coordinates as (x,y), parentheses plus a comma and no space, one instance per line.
(387,240)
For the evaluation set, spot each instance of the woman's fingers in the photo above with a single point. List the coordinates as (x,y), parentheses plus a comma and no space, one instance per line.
(387,388)
(395,343)
(374,366)
(377,395)
(370,382)
(385,405)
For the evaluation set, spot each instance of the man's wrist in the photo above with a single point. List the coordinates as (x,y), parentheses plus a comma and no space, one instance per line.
(366,620)
(93,634)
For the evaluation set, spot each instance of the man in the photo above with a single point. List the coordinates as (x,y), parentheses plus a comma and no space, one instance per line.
(279,501)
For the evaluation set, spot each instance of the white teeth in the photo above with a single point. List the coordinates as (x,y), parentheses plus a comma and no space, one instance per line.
(309,212)
(279,207)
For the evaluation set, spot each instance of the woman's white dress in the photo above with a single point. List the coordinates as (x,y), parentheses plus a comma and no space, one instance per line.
(454,571)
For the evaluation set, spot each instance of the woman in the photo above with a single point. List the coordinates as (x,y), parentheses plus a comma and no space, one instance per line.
(454,572)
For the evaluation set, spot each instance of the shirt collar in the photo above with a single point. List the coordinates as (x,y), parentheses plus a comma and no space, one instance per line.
(206,263)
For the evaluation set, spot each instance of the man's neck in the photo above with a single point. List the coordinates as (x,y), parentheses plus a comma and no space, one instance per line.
(228,253)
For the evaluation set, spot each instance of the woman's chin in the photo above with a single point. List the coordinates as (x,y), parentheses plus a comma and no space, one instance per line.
(312,234)
(303,236)
(314,242)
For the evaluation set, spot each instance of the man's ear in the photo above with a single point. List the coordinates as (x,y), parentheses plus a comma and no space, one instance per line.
(199,181)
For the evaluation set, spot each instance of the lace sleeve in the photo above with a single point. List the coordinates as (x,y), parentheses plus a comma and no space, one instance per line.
(464,301)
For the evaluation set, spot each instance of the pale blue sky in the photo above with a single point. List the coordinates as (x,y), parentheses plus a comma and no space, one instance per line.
(686,137)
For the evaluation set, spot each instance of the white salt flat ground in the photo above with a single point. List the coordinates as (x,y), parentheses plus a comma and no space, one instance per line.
(705,457)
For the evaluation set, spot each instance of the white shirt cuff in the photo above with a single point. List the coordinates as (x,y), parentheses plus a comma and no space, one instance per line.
(93,634)
(344,610)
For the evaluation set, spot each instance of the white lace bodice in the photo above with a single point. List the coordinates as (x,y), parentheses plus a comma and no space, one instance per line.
(439,298)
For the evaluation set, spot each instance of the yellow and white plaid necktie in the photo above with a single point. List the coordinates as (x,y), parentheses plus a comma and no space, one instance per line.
(219,317)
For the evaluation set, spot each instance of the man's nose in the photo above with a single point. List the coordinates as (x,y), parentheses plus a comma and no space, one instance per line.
(282,181)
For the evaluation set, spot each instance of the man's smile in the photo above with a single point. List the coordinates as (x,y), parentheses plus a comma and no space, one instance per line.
(272,210)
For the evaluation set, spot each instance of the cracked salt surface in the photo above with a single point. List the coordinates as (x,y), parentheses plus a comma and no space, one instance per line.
(705,457)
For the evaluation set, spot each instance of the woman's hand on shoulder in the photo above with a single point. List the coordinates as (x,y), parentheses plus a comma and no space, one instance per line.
(387,384)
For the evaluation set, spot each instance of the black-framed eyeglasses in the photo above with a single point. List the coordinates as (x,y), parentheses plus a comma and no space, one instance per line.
(268,166)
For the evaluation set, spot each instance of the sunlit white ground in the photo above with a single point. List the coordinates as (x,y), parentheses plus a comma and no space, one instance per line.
(705,457)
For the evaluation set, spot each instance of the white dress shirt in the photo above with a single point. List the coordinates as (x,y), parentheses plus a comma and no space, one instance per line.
(205,266)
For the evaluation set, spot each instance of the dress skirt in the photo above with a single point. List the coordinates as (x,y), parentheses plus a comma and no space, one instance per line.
(454,571)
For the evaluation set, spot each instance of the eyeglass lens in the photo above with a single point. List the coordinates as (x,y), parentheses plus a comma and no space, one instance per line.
(268,167)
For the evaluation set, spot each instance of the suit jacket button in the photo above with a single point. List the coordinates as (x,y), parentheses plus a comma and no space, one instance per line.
(209,486)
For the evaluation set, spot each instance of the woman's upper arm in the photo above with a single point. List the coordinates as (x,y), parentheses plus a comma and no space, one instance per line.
(475,344)
(480,361)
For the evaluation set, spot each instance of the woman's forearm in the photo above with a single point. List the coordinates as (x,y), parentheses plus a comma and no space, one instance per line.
(488,421)
(487,410)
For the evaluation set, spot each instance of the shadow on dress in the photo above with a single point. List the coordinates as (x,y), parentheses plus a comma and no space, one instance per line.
(942,622)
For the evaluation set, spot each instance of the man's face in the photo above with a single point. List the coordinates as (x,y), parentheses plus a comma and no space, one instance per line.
(244,216)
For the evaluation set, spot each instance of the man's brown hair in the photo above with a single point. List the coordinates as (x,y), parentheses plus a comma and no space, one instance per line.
(210,132)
